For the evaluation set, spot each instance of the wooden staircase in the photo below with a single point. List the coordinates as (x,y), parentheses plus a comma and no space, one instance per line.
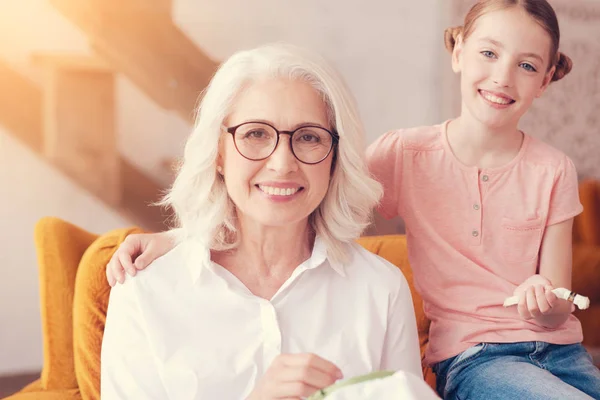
(74,132)
(139,39)
(70,119)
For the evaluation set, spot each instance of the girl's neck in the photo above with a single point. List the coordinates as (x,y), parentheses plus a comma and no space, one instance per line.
(475,144)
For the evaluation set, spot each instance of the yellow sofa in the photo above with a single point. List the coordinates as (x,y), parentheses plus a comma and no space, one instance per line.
(74,296)
(586,261)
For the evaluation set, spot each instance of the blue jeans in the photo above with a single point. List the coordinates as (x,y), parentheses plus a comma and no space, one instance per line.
(525,370)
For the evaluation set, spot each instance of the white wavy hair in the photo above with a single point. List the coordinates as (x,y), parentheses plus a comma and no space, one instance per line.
(198,195)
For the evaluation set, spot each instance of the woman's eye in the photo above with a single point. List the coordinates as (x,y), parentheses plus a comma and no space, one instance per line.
(488,54)
(255,134)
(528,67)
(309,138)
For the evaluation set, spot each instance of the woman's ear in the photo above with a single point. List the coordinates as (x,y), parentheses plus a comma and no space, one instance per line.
(546,82)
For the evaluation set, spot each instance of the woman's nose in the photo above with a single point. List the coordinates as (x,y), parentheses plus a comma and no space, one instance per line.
(283,160)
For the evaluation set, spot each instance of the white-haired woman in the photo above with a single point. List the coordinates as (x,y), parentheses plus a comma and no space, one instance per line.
(265,295)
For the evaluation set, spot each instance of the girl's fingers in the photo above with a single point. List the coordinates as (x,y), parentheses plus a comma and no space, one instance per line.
(126,252)
(542,302)
(109,275)
(117,269)
(522,306)
(550,296)
(532,306)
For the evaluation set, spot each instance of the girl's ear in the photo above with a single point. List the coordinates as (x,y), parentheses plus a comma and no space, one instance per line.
(546,82)
(457,54)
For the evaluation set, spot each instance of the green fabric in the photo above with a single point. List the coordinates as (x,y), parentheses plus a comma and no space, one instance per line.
(321,394)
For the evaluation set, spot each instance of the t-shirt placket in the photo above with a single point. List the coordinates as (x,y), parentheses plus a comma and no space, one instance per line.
(476,211)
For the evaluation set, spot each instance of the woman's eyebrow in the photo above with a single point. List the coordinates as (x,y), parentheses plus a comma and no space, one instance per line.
(296,126)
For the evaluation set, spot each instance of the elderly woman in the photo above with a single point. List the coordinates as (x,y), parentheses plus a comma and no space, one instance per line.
(264,295)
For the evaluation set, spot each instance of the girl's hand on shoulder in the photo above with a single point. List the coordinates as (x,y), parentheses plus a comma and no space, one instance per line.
(135,253)
(535,297)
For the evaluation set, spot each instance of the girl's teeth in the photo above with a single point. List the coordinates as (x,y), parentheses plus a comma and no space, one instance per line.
(496,99)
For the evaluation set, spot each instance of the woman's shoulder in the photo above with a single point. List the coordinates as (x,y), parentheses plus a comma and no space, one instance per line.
(161,274)
(374,269)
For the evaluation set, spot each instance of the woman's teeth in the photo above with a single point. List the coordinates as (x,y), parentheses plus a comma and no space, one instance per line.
(275,191)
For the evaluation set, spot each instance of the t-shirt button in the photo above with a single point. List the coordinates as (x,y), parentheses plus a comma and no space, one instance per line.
(475,233)
(485,178)
(475,207)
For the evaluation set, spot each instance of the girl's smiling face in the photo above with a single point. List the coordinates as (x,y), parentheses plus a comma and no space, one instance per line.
(503,65)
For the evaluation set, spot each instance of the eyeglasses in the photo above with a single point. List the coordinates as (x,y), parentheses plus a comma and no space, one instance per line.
(256,141)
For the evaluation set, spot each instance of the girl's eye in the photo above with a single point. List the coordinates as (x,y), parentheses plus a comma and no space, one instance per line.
(528,67)
(488,54)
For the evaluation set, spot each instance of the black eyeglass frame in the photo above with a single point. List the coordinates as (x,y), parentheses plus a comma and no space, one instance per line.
(334,142)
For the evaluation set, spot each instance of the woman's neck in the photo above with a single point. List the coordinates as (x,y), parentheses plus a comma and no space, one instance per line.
(476,144)
(267,256)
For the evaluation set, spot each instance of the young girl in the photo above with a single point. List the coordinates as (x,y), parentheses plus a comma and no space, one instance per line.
(489,213)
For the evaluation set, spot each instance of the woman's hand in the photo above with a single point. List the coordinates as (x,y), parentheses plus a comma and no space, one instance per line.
(535,297)
(295,376)
(135,253)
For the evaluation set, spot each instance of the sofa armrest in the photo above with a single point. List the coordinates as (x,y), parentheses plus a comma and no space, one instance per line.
(59,247)
(586,271)
(587,224)
(89,309)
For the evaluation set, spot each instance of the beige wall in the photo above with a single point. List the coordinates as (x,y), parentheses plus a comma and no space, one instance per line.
(31,189)
(389,51)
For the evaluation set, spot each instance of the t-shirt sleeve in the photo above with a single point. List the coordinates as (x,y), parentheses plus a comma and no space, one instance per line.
(564,200)
(384,158)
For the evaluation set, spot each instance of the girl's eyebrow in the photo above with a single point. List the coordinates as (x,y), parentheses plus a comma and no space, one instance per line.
(500,45)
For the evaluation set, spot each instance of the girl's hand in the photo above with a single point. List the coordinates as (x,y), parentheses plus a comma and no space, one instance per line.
(135,253)
(295,376)
(535,297)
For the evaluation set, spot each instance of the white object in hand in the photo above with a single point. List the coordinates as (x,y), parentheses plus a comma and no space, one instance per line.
(401,385)
(580,301)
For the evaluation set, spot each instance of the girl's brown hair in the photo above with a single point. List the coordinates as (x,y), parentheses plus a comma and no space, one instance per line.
(540,10)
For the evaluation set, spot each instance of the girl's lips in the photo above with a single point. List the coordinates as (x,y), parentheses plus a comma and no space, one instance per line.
(496,101)
(496,97)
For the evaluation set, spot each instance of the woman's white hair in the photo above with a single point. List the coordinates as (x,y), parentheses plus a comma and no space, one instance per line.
(199,197)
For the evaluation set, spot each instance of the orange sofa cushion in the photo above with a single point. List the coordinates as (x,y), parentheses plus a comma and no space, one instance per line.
(89,309)
(60,246)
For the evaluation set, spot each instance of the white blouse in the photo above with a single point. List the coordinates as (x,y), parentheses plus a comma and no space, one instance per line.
(186,328)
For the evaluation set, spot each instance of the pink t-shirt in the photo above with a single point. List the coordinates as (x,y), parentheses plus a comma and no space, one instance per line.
(474,236)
